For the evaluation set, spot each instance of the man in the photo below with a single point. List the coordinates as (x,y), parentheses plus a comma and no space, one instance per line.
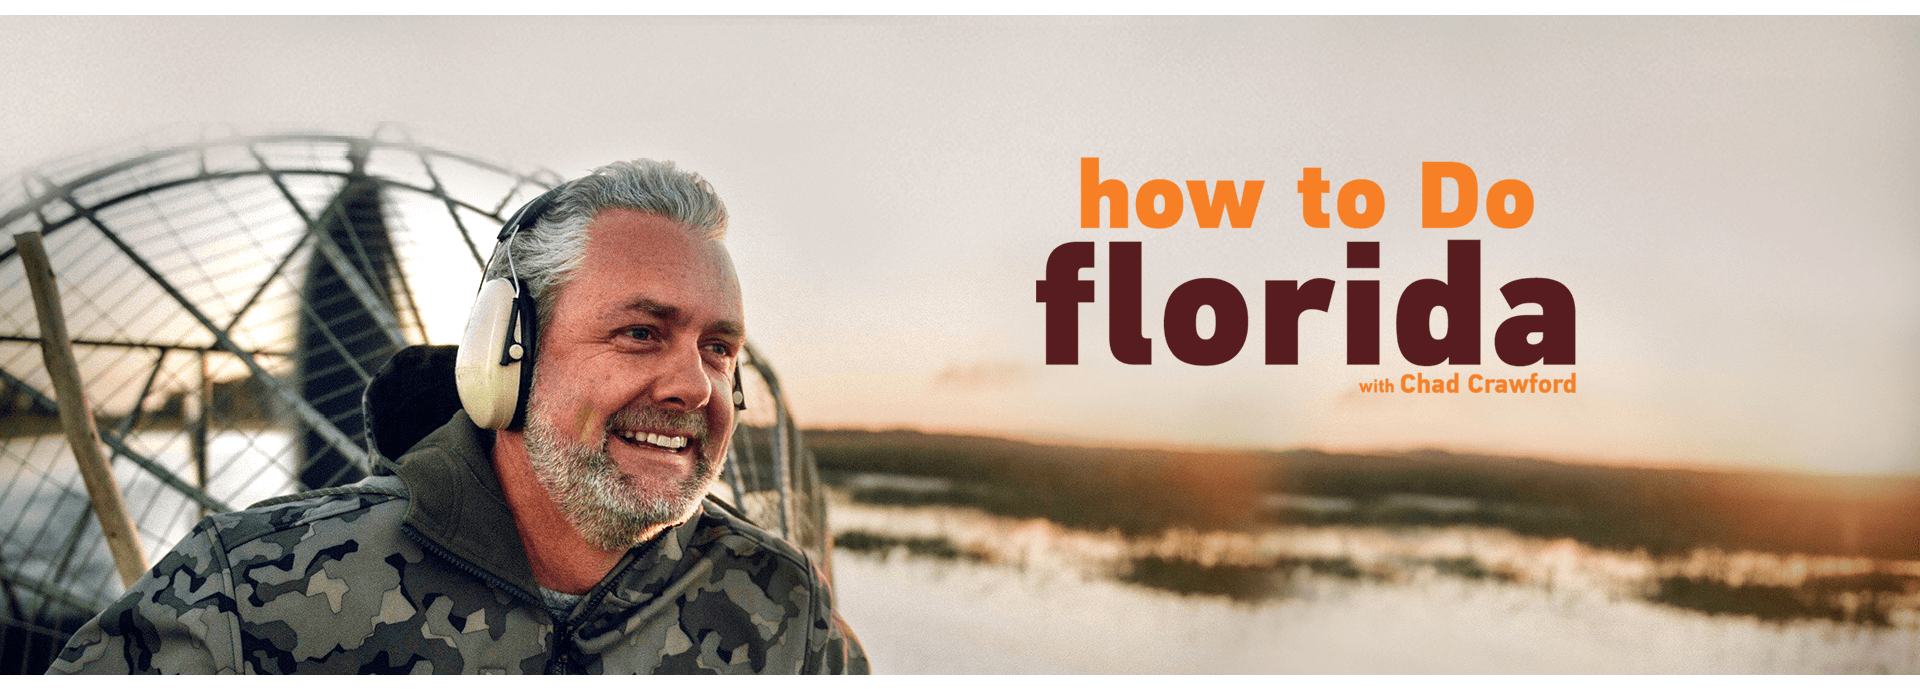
(580,542)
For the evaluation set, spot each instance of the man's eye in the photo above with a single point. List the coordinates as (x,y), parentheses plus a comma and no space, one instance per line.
(720,348)
(639,333)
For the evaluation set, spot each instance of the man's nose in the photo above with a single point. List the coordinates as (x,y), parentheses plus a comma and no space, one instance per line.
(681,381)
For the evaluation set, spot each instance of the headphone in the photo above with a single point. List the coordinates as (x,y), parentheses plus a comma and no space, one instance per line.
(493,368)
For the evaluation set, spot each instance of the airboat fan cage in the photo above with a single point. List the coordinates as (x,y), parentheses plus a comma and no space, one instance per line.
(228,298)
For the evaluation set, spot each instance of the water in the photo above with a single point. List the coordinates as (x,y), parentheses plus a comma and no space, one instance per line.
(937,589)
(43,497)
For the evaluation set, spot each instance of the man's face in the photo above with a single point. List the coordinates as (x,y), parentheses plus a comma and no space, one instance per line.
(632,393)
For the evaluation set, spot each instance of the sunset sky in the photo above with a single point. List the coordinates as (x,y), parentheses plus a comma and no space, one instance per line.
(1730,201)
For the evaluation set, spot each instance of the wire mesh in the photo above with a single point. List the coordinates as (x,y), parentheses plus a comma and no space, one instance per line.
(228,298)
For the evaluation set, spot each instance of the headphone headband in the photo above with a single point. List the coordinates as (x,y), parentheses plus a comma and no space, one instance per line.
(530,213)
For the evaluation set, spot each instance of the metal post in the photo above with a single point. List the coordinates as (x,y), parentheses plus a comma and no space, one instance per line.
(203,418)
(76,415)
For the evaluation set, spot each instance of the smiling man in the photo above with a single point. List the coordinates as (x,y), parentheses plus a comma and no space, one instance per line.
(600,466)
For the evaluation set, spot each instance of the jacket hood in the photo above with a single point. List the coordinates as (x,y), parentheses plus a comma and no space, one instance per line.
(412,396)
(414,418)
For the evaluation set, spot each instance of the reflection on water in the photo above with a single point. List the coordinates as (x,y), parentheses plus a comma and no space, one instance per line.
(935,588)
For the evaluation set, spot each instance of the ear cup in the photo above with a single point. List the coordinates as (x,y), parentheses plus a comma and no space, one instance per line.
(486,370)
(494,366)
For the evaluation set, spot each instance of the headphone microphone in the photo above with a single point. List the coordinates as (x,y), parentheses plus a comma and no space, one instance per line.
(493,368)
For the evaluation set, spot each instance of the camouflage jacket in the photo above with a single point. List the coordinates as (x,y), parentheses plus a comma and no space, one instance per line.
(423,573)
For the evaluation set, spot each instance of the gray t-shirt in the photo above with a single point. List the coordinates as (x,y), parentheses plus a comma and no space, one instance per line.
(561,604)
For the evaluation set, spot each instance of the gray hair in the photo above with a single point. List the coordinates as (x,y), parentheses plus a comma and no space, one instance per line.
(546,254)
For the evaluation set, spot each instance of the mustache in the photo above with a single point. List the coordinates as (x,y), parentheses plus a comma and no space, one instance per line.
(689,423)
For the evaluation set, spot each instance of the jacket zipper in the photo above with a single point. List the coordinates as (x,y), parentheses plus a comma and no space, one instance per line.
(558,662)
(560,653)
(562,663)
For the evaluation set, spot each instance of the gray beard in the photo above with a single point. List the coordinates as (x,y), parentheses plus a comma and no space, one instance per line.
(604,505)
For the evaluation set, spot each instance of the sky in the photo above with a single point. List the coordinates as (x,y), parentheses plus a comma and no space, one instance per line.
(1729,201)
